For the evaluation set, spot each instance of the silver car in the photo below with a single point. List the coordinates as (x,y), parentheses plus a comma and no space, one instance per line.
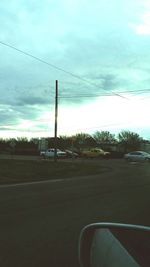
(137,156)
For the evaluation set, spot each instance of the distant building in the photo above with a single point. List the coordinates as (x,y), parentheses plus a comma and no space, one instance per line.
(43,144)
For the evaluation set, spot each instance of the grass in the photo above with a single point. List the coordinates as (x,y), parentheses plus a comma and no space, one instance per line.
(17,171)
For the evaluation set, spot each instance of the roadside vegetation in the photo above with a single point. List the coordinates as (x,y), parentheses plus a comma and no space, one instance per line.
(18,171)
(124,142)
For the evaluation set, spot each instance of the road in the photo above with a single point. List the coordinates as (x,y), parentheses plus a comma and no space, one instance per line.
(40,223)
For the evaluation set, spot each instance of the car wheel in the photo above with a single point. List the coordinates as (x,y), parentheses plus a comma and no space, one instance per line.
(147,160)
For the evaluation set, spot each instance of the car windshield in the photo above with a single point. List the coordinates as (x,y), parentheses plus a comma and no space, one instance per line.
(75,98)
(135,153)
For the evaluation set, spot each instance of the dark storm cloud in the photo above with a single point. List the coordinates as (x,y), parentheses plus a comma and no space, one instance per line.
(105,83)
(109,82)
(35,100)
(7,128)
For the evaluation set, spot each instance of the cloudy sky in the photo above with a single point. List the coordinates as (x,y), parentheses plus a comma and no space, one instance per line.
(98,50)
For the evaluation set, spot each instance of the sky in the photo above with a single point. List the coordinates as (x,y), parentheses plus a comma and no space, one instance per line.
(97,50)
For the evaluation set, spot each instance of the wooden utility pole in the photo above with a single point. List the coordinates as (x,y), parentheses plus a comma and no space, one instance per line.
(56,116)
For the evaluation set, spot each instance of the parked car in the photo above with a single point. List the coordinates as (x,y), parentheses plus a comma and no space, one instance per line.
(137,156)
(42,153)
(95,153)
(49,153)
(71,154)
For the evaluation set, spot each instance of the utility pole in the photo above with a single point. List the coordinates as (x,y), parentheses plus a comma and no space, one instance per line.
(56,116)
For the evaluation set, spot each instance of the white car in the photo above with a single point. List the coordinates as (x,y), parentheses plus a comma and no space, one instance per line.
(137,156)
(49,153)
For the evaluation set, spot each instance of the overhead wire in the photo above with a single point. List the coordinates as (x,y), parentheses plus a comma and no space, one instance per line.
(101,126)
(74,75)
(109,93)
(56,67)
(98,95)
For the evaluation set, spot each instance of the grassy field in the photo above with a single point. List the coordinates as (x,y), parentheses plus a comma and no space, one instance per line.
(16,171)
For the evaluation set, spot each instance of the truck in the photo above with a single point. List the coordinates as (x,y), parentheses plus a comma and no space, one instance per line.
(49,153)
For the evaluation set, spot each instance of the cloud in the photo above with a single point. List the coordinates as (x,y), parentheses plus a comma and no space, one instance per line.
(34,100)
(143,28)
(11,115)
(91,40)
(7,117)
(104,113)
(141,25)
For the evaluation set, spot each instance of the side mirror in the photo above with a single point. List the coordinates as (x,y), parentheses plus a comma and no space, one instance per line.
(114,245)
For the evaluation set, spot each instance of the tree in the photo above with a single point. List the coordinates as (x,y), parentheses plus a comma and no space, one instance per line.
(22,145)
(4,145)
(64,141)
(104,137)
(130,140)
(82,140)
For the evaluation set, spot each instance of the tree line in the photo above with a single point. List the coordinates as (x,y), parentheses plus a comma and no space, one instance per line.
(125,140)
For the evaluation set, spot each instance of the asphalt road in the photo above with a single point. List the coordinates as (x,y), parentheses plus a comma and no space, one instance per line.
(40,223)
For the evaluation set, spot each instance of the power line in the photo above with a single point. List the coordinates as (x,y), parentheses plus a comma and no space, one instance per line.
(55,67)
(135,91)
(79,96)
(102,126)
(97,95)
